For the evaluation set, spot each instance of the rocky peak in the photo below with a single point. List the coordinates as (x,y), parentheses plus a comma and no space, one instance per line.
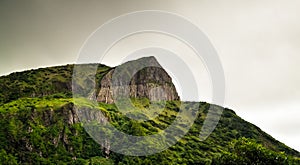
(143,77)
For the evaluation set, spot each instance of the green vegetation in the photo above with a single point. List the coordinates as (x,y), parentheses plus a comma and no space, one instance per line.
(41,82)
(249,151)
(38,130)
(39,127)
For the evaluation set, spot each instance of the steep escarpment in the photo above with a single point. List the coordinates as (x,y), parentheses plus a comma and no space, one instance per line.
(137,79)
(144,77)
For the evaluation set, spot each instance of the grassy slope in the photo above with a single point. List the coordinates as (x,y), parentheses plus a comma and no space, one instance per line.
(30,136)
(35,127)
(41,82)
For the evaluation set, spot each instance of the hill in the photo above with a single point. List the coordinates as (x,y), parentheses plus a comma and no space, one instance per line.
(39,125)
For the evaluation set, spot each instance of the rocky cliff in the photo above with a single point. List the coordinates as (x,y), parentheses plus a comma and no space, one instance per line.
(140,78)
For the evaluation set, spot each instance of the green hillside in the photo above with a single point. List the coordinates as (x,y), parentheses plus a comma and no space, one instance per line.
(41,82)
(39,126)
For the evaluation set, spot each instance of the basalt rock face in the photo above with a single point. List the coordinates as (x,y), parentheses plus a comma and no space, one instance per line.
(140,78)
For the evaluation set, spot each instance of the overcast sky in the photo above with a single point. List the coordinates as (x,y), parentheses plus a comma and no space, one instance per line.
(258,42)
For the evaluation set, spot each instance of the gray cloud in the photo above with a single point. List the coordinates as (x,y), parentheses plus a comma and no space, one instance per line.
(257,41)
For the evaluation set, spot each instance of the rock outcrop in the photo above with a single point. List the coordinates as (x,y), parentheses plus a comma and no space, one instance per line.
(140,78)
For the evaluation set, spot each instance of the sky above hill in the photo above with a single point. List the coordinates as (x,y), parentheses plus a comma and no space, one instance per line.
(258,43)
